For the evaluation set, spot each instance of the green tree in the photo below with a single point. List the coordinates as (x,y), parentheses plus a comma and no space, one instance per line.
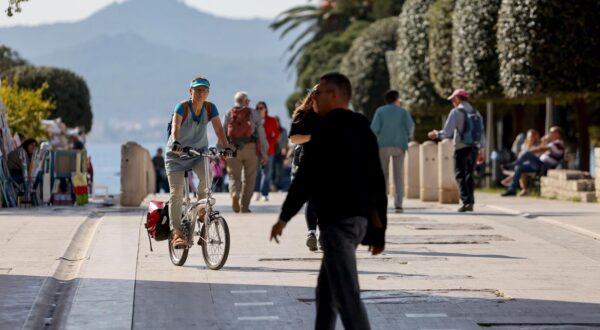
(326,54)
(439,17)
(474,57)
(386,8)
(411,60)
(14,6)
(365,64)
(26,109)
(68,91)
(9,58)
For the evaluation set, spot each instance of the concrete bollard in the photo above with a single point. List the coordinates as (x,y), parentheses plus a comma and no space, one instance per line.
(411,171)
(448,188)
(428,162)
(135,176)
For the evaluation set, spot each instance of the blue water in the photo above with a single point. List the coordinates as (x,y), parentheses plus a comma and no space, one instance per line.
(106,159)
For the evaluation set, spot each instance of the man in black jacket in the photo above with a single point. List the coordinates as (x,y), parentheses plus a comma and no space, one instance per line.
(342,175)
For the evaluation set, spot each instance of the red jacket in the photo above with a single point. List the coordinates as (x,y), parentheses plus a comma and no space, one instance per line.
(272,132)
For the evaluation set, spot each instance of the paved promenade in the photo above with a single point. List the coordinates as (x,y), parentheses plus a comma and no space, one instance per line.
(516,263)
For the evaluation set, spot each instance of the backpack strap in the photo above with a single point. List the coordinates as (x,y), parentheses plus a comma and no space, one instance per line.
(186,110)
(208,107)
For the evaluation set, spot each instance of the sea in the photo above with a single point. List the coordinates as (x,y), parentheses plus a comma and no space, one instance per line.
(106,160)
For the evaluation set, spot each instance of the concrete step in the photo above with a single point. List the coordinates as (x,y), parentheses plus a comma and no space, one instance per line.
(568,174)
(580,196)
(570,185)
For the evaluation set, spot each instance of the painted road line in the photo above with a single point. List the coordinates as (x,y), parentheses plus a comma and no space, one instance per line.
(258,318)
(427,315)
(266,303)
(247,291)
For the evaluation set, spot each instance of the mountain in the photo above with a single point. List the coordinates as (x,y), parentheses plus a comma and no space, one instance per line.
(139,56)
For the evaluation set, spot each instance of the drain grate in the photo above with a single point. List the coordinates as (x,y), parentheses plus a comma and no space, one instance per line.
(445,239)
(400,220)
(424,277)
(540,326)
(427,296)
(446,226)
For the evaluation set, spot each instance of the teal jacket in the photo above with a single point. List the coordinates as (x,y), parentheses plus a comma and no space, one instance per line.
(393,126)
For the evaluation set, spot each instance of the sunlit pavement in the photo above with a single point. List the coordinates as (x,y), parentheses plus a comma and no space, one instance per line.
(512,264)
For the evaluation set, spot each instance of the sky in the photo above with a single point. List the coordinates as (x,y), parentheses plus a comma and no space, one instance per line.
(37,12)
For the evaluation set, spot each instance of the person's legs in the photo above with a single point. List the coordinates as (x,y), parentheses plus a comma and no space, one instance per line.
(259,175)
(176,185)
(234,168)
(384,156)
(398,165)
(266,177)
(519,170)
(470,176)
(250,163)
(158,182)
(339,241)
(326,308)
(460,173)
(199,170)
(311,216)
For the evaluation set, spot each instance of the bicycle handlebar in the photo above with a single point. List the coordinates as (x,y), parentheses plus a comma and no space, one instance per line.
(212,153)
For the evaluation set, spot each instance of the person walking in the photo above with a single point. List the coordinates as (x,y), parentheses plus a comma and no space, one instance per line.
(264,174)
(189,129)
(393,126)
(245,131)
(281,149)
(351,207)
(159,169)
(465,124)
(305,122)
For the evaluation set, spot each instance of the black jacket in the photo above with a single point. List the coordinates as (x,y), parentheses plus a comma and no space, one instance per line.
(342,175)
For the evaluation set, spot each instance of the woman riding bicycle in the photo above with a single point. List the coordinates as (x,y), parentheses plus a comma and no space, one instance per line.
(189,129)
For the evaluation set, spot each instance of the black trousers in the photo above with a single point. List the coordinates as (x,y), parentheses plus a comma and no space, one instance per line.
(465,160)
(311,216)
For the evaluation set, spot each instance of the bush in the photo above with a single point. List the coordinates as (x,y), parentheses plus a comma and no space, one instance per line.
(365,64)
(386,8)
(325,55)
(474,57)
(9,59)
(439,17)
(66,90)
(548,46)
(25,109)
(411,60)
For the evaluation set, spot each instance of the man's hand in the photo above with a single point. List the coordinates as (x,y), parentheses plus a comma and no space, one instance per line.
(177,147)
(277,230)
(433,135)
(263,162)
(481,157)
(375,250)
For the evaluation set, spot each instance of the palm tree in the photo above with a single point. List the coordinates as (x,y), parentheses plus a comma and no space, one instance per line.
(14,6)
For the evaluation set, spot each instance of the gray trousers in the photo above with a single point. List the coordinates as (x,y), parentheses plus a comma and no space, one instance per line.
(176,190)
(242,176)
(338,290)
(397,156)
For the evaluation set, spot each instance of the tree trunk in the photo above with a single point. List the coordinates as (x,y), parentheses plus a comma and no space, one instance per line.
(583,134)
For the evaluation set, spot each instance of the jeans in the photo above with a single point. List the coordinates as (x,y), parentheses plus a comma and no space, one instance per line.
(465,160)
(311,216)
(527,163)
(338,290)
(397,156)
(263,177)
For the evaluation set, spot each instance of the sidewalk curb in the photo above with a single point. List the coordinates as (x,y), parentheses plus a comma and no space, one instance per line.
(557,223)
(58,289)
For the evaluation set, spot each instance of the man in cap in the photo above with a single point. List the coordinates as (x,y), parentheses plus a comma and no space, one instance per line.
(465,124)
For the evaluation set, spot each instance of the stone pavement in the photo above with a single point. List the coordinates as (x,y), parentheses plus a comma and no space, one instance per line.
(509,265)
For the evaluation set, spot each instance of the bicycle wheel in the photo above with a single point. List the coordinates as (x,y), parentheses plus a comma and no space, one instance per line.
(178,256)
(215,248)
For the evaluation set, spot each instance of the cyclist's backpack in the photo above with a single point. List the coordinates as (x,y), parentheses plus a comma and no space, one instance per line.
(472,130)
(186,111)
(239,126)
(157,221)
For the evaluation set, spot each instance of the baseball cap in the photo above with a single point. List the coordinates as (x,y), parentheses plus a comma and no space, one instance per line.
(200,82)
(458,92)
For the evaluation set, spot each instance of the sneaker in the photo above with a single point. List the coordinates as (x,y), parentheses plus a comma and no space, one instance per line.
(265,198)
(247,211)
(465,208)
(311,242)
(509,193)
(399,210)
(257,198)
(236,206)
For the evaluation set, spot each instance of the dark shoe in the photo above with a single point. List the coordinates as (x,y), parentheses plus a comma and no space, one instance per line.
(399,210)
(246,211)
(311,242)
(509,193)
(236,206)
(465,208)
